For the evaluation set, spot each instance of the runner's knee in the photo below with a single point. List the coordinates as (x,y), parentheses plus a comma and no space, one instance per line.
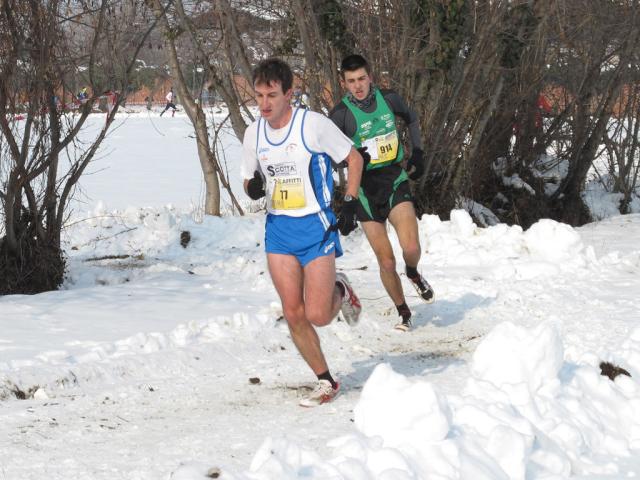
(411,250)
(294,314)
(387,264)
(319,316)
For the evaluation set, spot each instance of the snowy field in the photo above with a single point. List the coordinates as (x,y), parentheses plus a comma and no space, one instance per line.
(162,362)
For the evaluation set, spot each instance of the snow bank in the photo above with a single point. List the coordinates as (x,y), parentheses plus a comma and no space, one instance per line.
(114,247)
(630,353)
(152,231)
(524,414)
(503,251)
(144,239)
(140,356)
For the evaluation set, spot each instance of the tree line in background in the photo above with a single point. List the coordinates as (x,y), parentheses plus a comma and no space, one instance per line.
(45,45)
(496,85)
(518,100)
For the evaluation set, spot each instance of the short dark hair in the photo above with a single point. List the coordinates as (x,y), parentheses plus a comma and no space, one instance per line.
(273,70)
(351,63)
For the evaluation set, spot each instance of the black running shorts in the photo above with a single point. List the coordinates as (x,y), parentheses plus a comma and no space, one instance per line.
(381,189)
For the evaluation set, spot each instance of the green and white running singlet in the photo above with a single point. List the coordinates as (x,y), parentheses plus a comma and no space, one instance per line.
(377,131)
(384,182)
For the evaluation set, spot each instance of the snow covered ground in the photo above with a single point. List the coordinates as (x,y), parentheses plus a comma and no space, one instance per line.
(157,361)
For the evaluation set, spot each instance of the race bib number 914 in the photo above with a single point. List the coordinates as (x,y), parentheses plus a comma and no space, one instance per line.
(383,148)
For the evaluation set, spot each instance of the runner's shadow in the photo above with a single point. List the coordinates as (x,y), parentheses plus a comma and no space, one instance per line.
(434,358)
(443,313)
(410,364)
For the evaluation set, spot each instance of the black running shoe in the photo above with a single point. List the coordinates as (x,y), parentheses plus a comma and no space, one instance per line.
(423,288)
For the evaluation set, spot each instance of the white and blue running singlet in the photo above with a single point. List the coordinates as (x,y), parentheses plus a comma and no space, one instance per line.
(298,181)
(298,186)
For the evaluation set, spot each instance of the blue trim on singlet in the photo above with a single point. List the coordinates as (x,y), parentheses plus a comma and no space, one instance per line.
(321,179)
(293,120)
(320,176)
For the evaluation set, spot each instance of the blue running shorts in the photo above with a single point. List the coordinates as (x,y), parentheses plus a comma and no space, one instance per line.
(306,238)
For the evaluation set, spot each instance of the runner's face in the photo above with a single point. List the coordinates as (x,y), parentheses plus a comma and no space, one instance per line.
(274,104)
(357,82)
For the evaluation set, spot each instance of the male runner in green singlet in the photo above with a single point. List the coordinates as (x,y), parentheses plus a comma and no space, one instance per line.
(367,115)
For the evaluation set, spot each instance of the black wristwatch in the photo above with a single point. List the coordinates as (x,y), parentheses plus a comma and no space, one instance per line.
(348,198)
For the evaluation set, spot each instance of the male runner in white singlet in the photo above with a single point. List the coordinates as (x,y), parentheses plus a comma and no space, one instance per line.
(286,157)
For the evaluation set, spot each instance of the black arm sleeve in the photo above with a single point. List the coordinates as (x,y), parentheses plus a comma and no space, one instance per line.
(402,110)
(344,119)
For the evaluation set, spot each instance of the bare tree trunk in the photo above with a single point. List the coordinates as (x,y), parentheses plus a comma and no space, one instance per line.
(208,162)
(199,122)
(312,44)
(225,84)
(232,36)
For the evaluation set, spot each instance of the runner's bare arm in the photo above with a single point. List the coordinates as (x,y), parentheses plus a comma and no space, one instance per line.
(354,168)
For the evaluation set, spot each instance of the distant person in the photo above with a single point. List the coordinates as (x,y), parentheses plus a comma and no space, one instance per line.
(149,102)
(112,99)
(368,115)
(286,157)
(83,95)
(300,99)
(170,98)
(544,110)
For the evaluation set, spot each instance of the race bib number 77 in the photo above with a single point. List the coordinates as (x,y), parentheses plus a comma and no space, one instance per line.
(288,194)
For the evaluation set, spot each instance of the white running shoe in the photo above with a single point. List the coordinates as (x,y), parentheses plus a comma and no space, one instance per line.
(322,393)
(404,326)
(350,307)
